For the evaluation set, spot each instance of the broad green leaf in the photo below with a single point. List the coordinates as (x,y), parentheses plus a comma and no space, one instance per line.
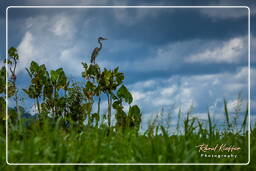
(117,104)
(125,94)
(48,90)
(134,111)
(12,52)
(62,79)
(54,76)
(34,67)
(31,91)
(90,85)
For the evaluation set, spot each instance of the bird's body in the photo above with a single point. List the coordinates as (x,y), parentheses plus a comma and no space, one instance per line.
(96,50)
(94,54)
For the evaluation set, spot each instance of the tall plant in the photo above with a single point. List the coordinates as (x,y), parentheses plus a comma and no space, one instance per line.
(38,76)
(47,85)
(110,80)
(92,88)
(2,92)
(133,119)
(55,82)
(12,61)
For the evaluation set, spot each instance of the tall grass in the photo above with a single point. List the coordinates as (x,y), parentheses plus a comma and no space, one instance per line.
(47,142)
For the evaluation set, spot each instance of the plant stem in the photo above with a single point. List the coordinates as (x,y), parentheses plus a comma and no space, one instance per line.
(18,110)
(99,100)
(109,108)
(38,105)
(227,114)
(210,123)
(54,98)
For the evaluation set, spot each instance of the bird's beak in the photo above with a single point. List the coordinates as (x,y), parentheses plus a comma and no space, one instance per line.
(105,39)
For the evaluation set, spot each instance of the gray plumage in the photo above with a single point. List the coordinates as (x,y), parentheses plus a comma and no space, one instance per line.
(96,50)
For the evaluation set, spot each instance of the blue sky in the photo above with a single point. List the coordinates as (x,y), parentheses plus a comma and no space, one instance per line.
(171,58)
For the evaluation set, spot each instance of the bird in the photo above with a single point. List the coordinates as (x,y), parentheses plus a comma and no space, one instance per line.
(97,50)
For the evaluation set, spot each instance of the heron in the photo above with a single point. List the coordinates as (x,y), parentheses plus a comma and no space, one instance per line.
(97,50)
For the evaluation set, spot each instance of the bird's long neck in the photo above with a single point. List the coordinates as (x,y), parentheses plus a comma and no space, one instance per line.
(100,44)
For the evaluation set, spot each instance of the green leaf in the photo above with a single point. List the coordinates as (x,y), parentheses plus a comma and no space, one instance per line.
(116,70)
(34,67)
(48,90)
(90,85)
(134,111)
(123,92)
(119,78)
(93,70)
(117,104)
(85,65)
(54,76)
(62,79)
(96,117)
(134,116)
(121,119)
(12,52)
(31,91)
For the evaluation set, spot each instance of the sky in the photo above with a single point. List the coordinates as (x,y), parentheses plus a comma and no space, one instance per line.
(172,58)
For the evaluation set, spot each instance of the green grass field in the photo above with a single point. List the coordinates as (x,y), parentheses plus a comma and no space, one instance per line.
(43,142)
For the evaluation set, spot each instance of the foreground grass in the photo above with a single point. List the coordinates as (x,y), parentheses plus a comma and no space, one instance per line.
(47,144)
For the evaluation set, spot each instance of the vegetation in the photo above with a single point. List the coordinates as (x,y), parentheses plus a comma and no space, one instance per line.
(66,130)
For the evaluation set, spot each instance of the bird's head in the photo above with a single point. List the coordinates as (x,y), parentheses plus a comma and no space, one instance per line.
(102,38)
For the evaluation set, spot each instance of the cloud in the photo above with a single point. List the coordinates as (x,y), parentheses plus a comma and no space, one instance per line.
(169,90)
(63,26)
(63,2)
(130,17)
(203,92)
(26,54)
(231,51)
(253,48)
(60,24)
(44,41)
(174,55)
(168,57)
(224,13)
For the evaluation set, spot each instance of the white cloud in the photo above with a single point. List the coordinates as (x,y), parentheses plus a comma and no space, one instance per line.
(200,91)
(177,54)
(145,84)
(50,40)
(137,96)
(226,52)
(63,26)
(26,51)
(169,90)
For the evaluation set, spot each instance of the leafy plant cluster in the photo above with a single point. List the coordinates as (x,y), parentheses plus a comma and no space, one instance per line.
(57,98)
(11,88)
